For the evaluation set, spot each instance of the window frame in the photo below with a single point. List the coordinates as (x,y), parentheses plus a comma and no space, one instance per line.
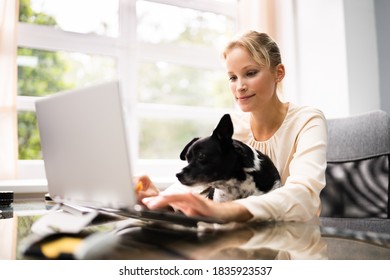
(128,53)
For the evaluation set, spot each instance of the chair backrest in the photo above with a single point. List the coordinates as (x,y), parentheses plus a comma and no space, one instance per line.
(357,176)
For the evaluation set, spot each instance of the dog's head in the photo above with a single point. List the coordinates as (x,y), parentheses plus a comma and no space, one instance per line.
(211,158)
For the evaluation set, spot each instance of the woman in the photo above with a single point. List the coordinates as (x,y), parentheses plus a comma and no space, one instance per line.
(294,137)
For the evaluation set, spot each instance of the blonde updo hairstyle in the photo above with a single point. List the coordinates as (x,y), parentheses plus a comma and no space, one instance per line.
(260,46)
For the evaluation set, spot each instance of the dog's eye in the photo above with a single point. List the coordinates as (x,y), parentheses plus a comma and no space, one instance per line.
(201,157)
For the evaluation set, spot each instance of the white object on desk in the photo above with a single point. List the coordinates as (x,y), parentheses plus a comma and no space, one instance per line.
(59,221)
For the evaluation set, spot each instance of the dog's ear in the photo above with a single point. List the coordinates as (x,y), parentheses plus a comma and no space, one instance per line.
(224,129)
(185,150)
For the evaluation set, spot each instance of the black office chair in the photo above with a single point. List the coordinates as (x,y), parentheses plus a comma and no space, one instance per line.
(357,176)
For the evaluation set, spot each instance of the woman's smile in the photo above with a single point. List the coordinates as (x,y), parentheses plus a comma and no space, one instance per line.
(245,97)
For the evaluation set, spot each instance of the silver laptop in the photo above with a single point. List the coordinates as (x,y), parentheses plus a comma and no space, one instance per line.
(86,153)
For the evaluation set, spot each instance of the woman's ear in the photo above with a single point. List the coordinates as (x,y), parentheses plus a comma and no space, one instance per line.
(279,72)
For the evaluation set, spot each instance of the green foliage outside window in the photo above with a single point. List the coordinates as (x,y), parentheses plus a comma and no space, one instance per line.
(39,79)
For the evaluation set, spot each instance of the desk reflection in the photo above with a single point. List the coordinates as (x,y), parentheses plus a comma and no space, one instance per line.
(264,241)
(132,239)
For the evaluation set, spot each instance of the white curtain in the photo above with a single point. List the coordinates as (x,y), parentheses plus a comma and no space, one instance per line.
(8,81)
(259,15)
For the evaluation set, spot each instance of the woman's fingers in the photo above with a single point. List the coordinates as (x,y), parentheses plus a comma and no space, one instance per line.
(197,205)
(144,187)
(189,203)
(145,182)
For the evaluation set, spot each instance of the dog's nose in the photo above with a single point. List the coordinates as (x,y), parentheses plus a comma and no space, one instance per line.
(181,177)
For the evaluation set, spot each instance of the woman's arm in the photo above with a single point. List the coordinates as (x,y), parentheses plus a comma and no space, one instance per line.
(189,203)
(196,205)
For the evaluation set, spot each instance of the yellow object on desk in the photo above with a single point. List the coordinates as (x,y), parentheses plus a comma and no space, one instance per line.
(55,248)
(139,186)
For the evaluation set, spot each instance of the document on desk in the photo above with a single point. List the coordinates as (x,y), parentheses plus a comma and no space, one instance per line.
(64,222)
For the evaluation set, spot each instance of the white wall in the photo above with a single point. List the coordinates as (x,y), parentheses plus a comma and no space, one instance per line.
(329,48)
(382,12)
(337,56)
(321,56)
(362,56)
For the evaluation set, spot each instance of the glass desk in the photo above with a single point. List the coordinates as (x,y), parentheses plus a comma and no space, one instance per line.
(324,239)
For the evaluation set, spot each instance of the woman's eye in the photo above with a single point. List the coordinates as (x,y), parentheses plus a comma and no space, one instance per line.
(251,73)
(232,78)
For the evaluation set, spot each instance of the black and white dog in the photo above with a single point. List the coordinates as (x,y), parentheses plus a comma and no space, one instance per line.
(229,168)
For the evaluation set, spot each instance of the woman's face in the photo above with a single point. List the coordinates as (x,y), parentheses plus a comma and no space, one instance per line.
(252,85)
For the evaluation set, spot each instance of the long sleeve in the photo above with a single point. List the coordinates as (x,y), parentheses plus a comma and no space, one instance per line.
(298,150)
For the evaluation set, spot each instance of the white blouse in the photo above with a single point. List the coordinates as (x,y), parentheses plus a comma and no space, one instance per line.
(298,150)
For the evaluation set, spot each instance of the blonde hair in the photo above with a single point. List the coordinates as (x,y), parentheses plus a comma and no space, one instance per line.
(261,47)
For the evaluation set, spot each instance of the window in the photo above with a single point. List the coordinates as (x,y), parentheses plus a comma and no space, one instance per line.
(101,19)
(160,23)
(165,52)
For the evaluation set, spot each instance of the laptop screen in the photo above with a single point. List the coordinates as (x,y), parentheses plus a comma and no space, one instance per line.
(85,148)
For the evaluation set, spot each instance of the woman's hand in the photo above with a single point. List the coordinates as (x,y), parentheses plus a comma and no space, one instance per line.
(145,188)
(197,205)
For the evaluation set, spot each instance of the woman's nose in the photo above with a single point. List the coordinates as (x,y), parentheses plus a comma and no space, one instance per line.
(241,86)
